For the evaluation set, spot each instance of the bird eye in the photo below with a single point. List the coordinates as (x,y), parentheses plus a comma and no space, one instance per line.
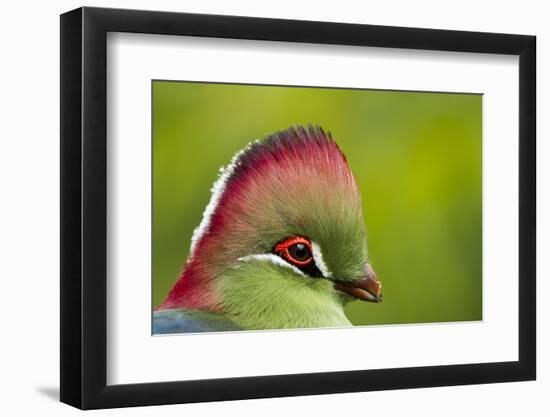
(299,252)
(296,250)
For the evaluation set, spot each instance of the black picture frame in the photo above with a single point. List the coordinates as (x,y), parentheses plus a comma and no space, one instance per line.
(84,207)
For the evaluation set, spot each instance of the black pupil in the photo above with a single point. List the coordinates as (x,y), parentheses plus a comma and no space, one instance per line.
(300,252)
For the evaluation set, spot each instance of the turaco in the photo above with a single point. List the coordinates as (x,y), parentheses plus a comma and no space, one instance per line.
(282,242)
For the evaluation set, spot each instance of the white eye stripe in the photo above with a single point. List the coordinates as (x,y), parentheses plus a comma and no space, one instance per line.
(318,258)
(269,257)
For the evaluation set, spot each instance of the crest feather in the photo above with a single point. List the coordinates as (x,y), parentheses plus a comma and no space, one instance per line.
(297,148)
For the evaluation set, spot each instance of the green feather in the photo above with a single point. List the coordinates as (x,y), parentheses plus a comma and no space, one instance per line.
(263,295)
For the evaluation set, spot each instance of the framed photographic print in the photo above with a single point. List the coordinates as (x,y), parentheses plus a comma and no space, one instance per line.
(302,207)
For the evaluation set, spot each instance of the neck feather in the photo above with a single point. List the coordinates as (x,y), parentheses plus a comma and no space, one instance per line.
(193,290)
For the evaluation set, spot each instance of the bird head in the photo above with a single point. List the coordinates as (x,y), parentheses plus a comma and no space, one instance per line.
(282,242)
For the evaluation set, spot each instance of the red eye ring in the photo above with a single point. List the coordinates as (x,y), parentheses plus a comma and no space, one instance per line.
(283,250)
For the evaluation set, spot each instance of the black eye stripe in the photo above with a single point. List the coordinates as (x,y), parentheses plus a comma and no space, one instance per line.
(311,270)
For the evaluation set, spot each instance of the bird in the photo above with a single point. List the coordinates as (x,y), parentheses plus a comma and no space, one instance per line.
(282,243)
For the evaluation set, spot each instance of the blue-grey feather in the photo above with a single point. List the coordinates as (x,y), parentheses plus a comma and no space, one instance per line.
(190,321)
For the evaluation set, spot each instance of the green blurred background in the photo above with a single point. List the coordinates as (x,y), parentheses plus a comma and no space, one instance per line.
(417,158)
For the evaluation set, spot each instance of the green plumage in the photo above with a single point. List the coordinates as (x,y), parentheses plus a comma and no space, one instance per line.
(262,295)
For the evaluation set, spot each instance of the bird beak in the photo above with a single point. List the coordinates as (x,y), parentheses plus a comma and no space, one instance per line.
(366,289)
